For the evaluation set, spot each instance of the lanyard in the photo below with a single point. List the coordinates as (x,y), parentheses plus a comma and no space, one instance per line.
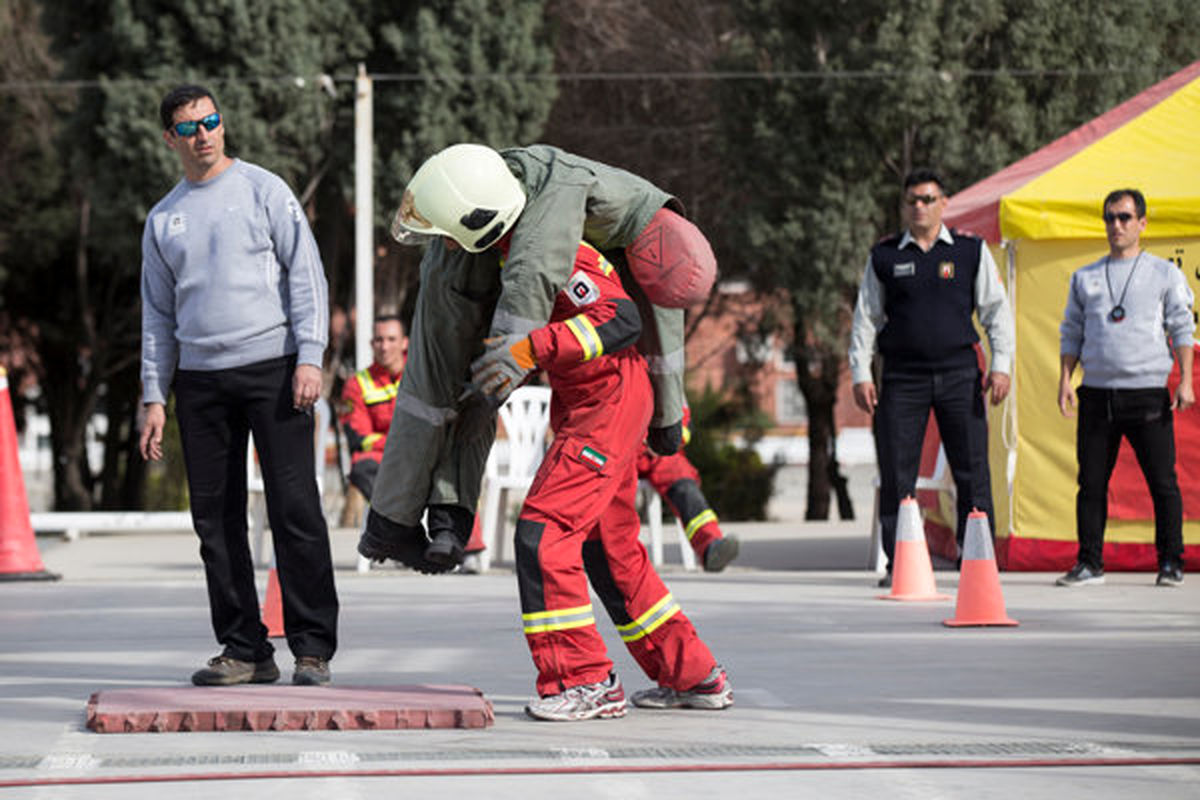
(1118,310)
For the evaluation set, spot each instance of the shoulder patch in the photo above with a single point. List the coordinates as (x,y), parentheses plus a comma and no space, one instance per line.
(581,290)
(176,224)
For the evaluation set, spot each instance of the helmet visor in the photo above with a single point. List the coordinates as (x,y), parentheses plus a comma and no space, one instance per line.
(408,226)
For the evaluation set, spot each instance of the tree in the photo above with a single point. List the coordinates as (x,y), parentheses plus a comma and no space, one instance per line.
(89,161)
(452,71)
(850,95)
(80,289)
(32,176)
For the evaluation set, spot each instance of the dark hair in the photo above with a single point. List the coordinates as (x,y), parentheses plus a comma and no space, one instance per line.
(923,175)
(1139,202)
(390,317)
(181,96)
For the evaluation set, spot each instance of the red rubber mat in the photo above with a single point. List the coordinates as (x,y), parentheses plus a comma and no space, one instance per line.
(287,708)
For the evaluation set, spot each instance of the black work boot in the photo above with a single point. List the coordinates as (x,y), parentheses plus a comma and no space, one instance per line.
(383,539)
(449,532)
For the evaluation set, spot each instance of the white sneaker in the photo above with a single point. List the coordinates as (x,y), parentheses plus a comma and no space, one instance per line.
(605,700)
(713,693)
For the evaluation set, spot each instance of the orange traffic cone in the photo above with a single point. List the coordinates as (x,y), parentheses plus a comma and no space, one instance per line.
(272,609)
(19,557)
(475,543)
(912,571)
(980,601)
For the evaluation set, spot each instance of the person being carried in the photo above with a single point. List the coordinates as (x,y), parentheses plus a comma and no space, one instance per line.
(1128,318)
(461,201)
(579,521)
(678,482)
(369,400)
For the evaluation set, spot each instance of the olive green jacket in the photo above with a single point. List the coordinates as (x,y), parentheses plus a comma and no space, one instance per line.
(439,439)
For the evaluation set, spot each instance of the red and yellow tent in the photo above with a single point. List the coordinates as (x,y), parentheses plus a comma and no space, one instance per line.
(1042,217)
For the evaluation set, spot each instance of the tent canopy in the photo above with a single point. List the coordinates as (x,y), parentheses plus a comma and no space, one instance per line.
(1150,142)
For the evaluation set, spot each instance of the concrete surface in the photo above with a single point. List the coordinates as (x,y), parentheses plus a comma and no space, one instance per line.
(838,694)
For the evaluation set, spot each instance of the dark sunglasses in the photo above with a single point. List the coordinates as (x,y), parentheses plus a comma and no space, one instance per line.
(927,199)
(190,127)
(1111,217)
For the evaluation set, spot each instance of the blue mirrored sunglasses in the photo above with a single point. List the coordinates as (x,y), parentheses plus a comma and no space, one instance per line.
(190,127)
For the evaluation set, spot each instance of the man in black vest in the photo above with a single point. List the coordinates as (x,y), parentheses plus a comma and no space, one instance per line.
(919,292)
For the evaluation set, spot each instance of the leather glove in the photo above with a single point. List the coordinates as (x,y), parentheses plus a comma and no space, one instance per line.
(506,362)
(666,441)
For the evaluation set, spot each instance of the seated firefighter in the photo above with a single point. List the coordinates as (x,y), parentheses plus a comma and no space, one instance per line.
(369,400)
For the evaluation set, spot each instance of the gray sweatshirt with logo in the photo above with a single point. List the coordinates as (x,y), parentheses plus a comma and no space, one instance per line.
(1136,352)
(231,275)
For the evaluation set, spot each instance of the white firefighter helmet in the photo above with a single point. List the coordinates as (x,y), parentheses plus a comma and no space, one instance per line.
(465,192)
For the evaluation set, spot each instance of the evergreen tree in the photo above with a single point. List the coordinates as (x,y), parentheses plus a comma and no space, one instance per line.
(92,161)
(854,93)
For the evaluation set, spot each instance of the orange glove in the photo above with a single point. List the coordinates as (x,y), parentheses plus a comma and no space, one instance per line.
(502,367)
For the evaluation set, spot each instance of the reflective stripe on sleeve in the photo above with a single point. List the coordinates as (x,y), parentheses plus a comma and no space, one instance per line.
(368,441)
(666,364)
(647,623)
(585,333)
(603,263)
(558,619)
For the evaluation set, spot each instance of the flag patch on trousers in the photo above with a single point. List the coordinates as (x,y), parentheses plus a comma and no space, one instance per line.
(593,458)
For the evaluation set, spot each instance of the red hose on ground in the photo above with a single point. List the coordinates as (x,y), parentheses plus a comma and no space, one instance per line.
(632,768)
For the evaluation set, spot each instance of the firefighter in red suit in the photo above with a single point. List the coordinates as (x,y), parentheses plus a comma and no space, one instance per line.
(369,399)
(580,522)
(678,482)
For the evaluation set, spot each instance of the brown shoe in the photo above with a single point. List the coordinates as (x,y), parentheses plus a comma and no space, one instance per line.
(225,671)
(311,671)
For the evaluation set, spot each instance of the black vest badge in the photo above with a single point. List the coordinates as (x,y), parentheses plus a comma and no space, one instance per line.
(946,270)
(905,270)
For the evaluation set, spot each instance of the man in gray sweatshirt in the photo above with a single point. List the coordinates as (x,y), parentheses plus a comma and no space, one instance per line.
(1125,315)
(235,319)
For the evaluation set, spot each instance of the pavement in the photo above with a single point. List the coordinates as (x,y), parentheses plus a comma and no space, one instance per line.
(839,694)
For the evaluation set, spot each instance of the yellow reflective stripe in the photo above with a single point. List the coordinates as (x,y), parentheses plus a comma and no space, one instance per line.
(368,441)
(585,333)
(649,622)
(558,619)
(373,394)
(605,265)
(703,518)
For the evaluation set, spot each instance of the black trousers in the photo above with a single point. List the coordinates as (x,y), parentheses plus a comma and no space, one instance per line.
(1143,416)
(362,476)
(217,411)
(956,399)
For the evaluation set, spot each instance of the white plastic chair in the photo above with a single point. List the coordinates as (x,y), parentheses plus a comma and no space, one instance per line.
(256,491)
(526,418)
(654,517)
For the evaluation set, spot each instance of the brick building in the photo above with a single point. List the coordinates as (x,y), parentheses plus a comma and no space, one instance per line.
(727,343)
